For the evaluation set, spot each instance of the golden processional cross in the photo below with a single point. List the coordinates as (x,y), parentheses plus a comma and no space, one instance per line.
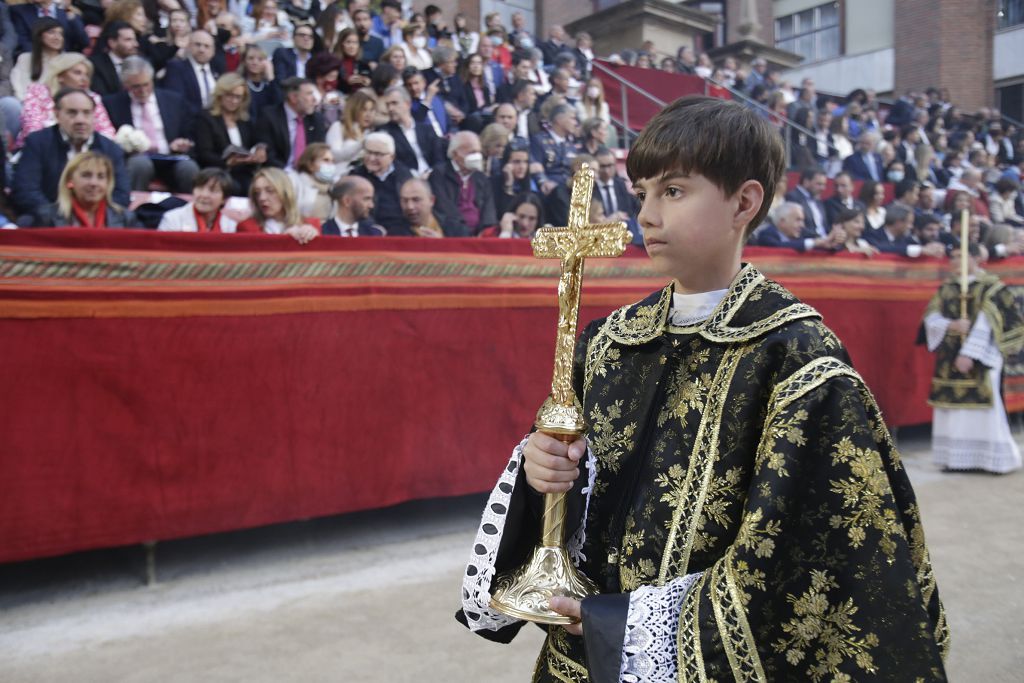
(524,593)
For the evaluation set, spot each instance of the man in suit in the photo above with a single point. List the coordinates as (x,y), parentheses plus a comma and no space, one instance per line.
(46,153)
(120,42)
(418,202)
(554,45)
(842,199)
(808,195)
(353,206)
(522,65)
(527,119)
(193,76)
(387,176)
(416,144)
(895,238)
(864,164)
(426,104)
(786,231)
(24,16)
(166,119)
(449,87)
(464,196)
(291,61)
(288,127)
(584,54)
(619,203)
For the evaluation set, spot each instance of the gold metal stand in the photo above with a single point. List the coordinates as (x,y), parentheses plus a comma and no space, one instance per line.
(524,593)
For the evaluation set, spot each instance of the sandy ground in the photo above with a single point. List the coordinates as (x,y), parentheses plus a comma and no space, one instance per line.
(370,597)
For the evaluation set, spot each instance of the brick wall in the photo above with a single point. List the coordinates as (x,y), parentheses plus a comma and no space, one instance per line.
(947,44)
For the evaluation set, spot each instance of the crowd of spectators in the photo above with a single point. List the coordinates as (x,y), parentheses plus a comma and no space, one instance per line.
(337,120)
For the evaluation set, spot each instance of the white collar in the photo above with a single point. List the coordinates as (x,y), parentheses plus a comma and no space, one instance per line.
(689,309)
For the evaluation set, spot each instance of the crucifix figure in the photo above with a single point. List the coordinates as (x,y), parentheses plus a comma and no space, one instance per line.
(524,593)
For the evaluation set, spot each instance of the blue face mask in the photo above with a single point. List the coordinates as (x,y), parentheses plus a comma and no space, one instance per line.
(496,41)
(895,176)
(526,43)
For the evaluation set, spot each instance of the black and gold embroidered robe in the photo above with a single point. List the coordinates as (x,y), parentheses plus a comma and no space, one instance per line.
(747,451)
(951,388)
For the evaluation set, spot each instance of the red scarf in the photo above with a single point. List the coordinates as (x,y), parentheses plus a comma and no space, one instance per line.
(201,222)
(82,216)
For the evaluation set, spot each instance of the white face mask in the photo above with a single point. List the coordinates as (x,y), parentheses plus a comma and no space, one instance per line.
(474,161)
(593,91)
(419,42)
(325,172)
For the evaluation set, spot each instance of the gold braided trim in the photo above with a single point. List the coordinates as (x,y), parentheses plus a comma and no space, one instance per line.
(693,494)
(737,638)
(564,668)
(777,319)
(647,321)
(942,633)
(804,380)
(690,659)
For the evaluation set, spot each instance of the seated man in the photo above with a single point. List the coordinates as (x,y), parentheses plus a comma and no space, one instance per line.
(928,229)
(165,118)
(387,176)
(288,127)
(786,231)
(522,66)
(418,209)
(353,206)
(556,147)
(46,153)
(808,195)
(426,105)
(291,61)
(843,198)
(464,196)
(894,237)
(619,203)
(417,146)
(193,77)
(121,42)
(450,89)
(865,163)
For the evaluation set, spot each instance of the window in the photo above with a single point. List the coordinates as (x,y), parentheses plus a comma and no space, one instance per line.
(1011,13)
(813,33)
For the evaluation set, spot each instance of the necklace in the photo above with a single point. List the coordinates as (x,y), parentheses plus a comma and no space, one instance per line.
(252,86)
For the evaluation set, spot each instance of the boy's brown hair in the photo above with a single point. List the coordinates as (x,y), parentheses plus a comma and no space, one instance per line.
(723,141)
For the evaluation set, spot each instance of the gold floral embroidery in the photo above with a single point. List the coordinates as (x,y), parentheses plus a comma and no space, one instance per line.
(867,497)
(825,631)
(608,442)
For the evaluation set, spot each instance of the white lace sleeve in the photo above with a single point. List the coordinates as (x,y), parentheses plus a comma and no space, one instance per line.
(935,326)
(476,583)
(649,646)
(980,344)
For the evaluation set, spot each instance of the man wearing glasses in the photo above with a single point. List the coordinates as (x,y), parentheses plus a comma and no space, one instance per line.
(291,61)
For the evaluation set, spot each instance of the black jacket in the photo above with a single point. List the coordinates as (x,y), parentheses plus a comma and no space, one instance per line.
(272,129)
(430,145)
(446,185)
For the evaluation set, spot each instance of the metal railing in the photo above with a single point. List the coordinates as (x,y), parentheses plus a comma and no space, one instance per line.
(623,124)
(790,127)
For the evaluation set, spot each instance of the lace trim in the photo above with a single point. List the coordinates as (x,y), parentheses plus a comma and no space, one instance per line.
(649,646)
(579,539)
(476,583)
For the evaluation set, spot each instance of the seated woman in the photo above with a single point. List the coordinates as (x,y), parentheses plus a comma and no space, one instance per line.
(258,72)
(84,197)
(479,94)
(345,136)
(210,191)
(312,179)
(595,136)
(414,45)
(47,43)
(525,215)
(355,73)
(274,210)
(852,222)
(322,68)
(67,70)
(227,124)
(268,26)
(514,178)
(872,194)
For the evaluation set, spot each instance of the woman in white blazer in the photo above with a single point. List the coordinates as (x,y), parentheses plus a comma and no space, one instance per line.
(205,213)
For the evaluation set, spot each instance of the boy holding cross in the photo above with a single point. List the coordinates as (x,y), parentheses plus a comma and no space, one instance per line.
(742,509)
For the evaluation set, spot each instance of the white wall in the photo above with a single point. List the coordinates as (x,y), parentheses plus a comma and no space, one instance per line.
(869,25)
(1007,61)
(841,75)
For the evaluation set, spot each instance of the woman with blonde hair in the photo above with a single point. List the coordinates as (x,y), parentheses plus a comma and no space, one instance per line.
(258,71)
(226,125)
(67,70)
(314,174)
(275,210)
(592,104)
(84,197)
(414,45)
(345,136)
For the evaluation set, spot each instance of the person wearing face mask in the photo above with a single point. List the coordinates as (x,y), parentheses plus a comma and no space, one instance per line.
(314,174)
(499,44)
(464,196)
(895,172)
(415,47)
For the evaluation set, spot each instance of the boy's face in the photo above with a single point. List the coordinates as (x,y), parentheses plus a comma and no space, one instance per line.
(688,224)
